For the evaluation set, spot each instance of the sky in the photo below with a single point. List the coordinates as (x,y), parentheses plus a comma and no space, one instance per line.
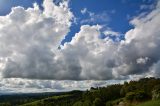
(63,45)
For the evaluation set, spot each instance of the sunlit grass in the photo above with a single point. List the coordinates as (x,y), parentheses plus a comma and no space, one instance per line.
(150,103)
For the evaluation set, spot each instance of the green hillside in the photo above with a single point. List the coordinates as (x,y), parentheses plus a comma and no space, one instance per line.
(127,94)
(150,103)
(67,99)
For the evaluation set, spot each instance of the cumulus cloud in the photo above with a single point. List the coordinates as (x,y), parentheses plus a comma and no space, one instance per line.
(106,59)
(29,46)
(29,39)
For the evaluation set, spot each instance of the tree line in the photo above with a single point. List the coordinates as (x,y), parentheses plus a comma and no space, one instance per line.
(129,92)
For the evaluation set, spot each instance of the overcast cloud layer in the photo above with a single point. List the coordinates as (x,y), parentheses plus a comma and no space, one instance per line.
(29,41)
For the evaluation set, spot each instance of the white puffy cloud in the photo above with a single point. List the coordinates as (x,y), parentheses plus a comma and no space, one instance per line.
(106,59)
(61,12)
(87,48)
(29,46)
(29,39)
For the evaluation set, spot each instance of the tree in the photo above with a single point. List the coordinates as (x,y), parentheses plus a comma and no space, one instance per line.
(87,103)
(137,95)
(130,96)
(98,102)
(109,103)
(79,103)
(141,96)
(156,92)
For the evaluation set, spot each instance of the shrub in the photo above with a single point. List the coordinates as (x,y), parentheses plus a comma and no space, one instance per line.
(156,92)
(109,103)
(130,96)
(98,102)
(138,96)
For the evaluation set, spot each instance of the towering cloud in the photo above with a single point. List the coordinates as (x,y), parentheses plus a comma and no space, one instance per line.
(29,46)
(29,39)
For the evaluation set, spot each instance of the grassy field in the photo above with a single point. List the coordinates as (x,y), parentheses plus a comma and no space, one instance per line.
(66,99)
(150,103)
(46,99)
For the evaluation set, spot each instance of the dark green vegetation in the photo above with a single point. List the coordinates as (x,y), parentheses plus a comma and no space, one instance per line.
(66,99)
(20,99)
(14,99)
(151,103)
(145,92)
